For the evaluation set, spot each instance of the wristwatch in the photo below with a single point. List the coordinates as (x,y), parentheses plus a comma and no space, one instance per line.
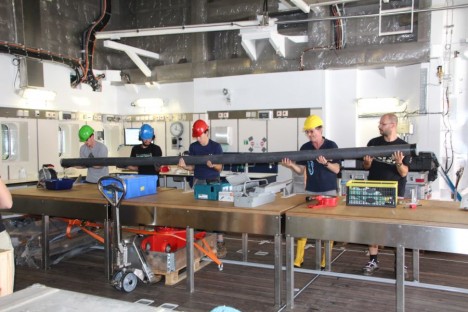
(399,165)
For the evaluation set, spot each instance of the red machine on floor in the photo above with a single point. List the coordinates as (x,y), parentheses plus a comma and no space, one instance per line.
(167,239)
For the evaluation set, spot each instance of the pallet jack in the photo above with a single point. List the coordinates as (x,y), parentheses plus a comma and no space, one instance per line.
(130,263)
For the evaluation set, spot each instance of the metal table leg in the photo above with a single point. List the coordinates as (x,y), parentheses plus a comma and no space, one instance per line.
(289,272)
(278,269)
(328,245)
(45,242)
(400,278)
(416,265)
(318,253)
(189,255)
(245,246)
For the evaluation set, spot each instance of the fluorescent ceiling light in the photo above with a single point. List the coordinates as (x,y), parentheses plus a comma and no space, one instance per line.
(153,85)
(380,105)
(30,93)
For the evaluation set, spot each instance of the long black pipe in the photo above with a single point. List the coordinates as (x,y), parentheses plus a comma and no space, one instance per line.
(243,158)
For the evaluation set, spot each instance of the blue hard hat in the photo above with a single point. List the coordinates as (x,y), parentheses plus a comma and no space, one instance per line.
(224,309)
(146,132)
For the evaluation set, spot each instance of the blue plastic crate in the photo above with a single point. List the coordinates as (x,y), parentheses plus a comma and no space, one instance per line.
(59,184)
(137,185)
(209,191)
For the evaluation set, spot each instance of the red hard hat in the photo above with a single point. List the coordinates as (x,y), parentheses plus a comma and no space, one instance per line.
(199,127)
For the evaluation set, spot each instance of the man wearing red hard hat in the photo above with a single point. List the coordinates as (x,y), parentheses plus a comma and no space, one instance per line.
(209,172)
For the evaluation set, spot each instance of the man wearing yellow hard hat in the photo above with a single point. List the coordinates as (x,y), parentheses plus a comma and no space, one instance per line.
(321,173)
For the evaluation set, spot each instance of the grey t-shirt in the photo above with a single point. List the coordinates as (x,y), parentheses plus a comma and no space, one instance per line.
(99,150)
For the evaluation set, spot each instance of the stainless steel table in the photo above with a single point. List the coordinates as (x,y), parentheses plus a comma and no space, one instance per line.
(435,225)
(168,207)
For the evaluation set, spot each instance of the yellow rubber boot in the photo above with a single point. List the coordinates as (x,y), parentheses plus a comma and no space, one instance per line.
(324,262)
(301,242)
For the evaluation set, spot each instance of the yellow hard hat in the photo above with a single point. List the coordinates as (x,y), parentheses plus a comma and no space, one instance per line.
(312,122)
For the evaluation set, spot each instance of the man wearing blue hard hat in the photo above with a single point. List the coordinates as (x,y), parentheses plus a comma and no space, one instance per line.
(146,149)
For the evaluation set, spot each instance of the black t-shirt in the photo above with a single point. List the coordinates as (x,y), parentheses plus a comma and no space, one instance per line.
(151,150)
(384,168)
(319,178)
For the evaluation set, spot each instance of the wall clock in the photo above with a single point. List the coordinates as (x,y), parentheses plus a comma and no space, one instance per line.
(176,129)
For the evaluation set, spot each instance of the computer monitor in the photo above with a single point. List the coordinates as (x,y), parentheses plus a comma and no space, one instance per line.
(132,136)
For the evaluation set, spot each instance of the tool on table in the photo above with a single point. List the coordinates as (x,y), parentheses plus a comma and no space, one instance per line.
(323,201)
(260,194)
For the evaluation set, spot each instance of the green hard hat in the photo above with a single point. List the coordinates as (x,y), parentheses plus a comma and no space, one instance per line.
(85,132)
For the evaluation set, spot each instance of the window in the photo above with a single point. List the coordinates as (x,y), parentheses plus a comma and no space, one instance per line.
(9,141)
(61,141)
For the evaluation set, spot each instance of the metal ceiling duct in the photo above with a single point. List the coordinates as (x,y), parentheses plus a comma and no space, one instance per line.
(31,70)
(220,53)
(184,57)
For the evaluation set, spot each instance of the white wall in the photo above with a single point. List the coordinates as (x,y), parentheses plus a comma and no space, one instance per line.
(448,96)
(339,113)
(261,91)
(177,98)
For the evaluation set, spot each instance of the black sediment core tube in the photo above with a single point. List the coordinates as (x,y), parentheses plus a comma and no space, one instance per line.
(244,158)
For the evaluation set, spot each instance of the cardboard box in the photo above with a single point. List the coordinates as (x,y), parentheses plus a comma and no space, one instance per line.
(6,274)
(136,185)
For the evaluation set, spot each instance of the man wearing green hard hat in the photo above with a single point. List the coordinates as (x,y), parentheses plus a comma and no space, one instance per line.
(92,149)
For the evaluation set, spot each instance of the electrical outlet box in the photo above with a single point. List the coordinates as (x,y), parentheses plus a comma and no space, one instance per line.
(405,127)
(279,114)
(225,115)
(285,113)
(265,114)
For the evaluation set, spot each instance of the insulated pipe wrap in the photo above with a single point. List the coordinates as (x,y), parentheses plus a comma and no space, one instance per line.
(243,158)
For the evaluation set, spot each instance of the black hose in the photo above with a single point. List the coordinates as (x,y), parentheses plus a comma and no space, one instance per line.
(244,158)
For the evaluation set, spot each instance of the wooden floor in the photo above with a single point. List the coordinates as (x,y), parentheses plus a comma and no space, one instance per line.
(249,286)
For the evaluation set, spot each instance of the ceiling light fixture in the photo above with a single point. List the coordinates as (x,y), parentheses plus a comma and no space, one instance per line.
(380,105)
(152,85)
(30,93)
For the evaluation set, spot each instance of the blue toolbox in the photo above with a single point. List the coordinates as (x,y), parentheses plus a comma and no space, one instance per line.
(209,191)
(136,185)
